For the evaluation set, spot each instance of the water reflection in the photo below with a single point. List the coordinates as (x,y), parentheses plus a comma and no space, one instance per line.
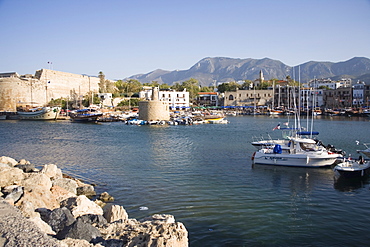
(350,185)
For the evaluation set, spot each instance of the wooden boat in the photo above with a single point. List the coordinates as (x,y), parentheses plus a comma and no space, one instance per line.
(352,168)
(38,113)
(85,115)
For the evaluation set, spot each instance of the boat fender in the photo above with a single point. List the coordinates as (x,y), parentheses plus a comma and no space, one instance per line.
(253,155)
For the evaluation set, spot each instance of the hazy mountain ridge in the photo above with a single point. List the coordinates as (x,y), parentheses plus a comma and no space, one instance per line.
(222,69)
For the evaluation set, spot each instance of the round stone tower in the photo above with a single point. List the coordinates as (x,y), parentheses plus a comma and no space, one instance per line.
(154,109)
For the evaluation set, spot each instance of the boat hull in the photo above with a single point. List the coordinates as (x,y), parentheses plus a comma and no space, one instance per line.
(352,170)
(46,113)
(296,160)
(85,117)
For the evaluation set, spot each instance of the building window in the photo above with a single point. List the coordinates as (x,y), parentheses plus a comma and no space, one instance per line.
(231,97)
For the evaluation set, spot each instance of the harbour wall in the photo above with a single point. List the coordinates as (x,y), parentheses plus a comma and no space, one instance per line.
(44,86)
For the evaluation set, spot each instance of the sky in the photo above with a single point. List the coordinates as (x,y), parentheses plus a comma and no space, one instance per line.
(122,38)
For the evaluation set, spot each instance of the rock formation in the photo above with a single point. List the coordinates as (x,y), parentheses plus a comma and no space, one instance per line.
(63,215)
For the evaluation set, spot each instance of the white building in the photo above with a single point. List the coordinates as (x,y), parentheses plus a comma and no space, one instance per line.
(311,98)
(173,98)
(358,93)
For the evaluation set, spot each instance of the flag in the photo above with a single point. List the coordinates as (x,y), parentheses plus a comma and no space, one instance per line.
(277,127)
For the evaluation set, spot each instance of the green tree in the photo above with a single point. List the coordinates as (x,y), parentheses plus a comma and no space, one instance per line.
(192,86)
(102,87)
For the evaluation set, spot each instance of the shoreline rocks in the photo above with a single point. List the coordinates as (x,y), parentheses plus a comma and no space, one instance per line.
(58,212)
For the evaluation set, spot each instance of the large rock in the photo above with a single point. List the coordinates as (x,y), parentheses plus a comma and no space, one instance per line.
(60,194)
(67,184)
(79,230)
(59,218)
(10,176)
(36,182)
(81,205)
(44,227)
(87,190)
(39,198)
(70,242)
(8,161)
(52,171)
(12,192)
(94,220)
(155,232)
(114,212)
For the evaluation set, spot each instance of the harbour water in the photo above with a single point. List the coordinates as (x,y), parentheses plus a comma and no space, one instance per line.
(203,175)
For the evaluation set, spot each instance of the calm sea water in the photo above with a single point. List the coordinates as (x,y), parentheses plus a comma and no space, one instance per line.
(203,175)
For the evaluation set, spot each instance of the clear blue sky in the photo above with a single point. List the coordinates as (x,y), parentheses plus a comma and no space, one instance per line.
(128,37)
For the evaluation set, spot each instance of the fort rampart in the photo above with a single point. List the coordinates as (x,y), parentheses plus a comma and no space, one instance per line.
(44,86)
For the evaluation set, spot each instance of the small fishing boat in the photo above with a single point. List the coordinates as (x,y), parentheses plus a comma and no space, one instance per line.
(85,115)
(352,168)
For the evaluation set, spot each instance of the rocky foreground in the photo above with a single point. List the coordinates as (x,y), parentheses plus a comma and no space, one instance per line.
(46,208)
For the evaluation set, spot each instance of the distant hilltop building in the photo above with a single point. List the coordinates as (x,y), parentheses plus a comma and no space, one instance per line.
(42,87)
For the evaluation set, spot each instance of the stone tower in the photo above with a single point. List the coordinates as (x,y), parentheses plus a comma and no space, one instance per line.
(154,109)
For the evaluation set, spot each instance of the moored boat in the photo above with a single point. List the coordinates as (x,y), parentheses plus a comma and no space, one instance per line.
(352,168)
(38,113)
(300,152)
(365,151)
(85,115)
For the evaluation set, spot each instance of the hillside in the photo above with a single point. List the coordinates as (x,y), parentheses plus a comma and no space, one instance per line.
(209,70)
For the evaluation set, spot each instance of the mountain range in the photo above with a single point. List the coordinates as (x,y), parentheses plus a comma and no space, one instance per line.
(215,70)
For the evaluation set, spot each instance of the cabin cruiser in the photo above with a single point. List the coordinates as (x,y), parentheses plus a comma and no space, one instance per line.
(298,152)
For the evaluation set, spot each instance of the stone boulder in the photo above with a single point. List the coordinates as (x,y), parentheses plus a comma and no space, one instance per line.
(59,194)
(81,205)
(94,220)
(27,168)
(114,212)
(7,160)
(36,182)
(79,230)
(156,232)
(70,242)
(10,176)
(87,190)
(105,197)
(67,184)
(52,171)
(12,192)
(58,219)
(44,227)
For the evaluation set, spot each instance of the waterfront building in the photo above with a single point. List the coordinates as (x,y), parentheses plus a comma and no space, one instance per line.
(175,99)
(208,99)
(358,93)
(248,97)
(338,98)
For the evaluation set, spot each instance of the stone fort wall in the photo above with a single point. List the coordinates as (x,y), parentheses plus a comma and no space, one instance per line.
(44,86)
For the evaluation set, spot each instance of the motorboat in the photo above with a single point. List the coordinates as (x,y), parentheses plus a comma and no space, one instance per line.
(299,152)
(350,168)
(85,115)
(365,151)
(38,113)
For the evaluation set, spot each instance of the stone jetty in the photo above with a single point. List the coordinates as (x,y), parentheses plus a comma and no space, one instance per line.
(44,207)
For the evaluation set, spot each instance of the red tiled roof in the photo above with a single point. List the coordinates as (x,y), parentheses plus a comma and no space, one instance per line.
(211,93)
